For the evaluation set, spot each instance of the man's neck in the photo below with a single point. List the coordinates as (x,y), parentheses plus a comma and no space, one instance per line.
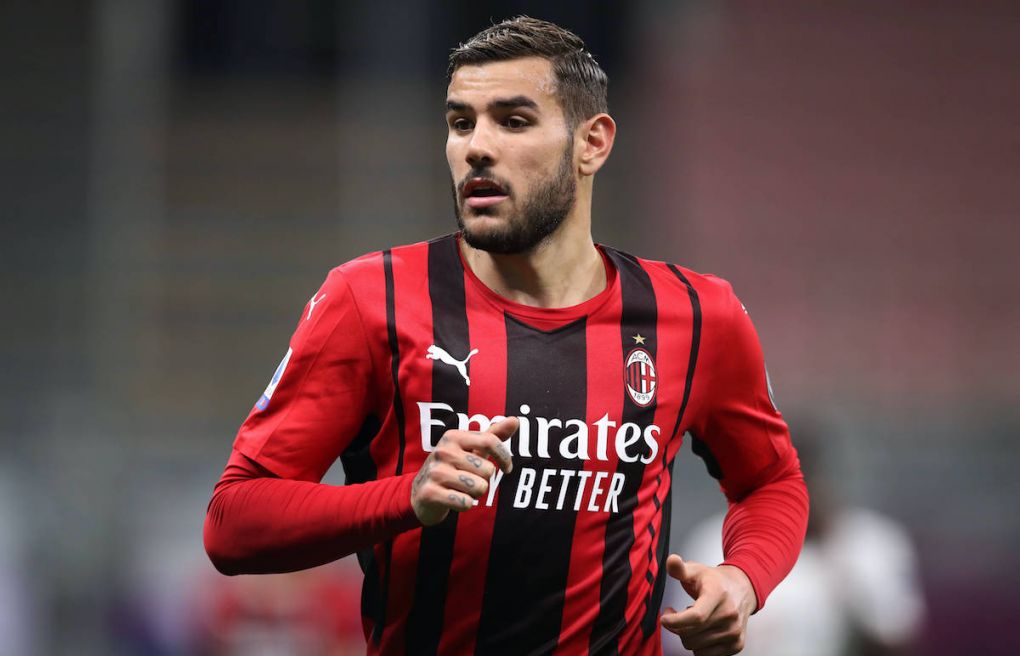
(566,269)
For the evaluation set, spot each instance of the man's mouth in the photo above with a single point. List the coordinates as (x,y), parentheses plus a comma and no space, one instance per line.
(483,192)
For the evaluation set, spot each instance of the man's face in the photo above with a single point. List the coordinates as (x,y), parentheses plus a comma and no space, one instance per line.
(510,154)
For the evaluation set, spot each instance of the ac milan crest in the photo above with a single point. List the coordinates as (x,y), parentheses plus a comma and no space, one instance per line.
(639,377)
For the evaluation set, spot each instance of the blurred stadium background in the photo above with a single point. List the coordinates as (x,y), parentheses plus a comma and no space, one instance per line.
(177,177)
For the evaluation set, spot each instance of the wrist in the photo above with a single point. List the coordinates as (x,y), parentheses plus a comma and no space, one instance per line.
(743,587)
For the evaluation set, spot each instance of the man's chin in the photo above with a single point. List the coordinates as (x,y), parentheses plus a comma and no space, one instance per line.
(485,240)
(484,224)
(493,239)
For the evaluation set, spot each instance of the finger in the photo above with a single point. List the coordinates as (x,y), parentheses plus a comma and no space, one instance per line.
(434,501)
(680,569)
(718,637)
(450,451)
(505,428)
(668,618)
(696,617)
(686,572)
(489,444)
(675,566)
(476,464)
(503,431)
(459,480)
(472,451)
(458,502)
(721,650)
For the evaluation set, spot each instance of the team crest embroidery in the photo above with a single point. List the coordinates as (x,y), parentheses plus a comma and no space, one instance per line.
(640,377)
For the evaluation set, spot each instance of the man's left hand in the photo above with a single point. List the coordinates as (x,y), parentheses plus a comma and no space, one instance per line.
(723,600)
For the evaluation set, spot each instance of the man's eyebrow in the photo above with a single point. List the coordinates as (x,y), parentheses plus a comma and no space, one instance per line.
(499,103)
(511,103)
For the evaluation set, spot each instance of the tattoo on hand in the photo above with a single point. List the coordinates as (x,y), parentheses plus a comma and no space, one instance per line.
(459,500)
(422,476)
(474,460)
(466,480)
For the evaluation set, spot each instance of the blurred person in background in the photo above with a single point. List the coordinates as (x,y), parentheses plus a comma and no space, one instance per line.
(855,590)
(517,356)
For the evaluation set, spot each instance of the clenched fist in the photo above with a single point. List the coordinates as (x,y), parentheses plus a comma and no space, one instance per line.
(458,470)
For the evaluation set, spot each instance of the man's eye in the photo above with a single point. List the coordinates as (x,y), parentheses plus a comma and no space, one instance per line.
(516,123)
(460,124)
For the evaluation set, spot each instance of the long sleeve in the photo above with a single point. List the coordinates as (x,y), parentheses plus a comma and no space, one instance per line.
(257,523)
(269,512)
(746,446)
(764,531)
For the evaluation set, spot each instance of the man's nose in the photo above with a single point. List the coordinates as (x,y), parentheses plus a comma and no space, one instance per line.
(481,150)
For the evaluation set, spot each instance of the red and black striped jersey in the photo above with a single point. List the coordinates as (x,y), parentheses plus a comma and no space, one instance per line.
(566,553)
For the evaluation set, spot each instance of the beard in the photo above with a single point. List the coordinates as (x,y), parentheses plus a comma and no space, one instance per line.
(541,213)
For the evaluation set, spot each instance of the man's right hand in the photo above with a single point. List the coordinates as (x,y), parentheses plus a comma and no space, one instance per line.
(458,470)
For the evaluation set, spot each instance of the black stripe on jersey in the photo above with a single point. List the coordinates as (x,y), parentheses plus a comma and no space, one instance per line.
(356,458)
(650,621)
(654,600)
(522,606)
(698,446)
(692,361)
(391,334)
(639,317)
(367,558)
(359,468)
(449,332)
(373,592)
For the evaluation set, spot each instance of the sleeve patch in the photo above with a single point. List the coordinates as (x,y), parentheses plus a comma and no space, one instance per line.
(768,385)
(263,402)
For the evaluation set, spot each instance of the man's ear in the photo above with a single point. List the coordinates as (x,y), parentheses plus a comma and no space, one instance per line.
(596,137)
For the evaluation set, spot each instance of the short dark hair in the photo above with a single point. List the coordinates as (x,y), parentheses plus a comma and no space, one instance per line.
(581,84)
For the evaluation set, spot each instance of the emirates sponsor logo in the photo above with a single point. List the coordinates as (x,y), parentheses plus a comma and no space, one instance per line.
(532,439)
(549,488)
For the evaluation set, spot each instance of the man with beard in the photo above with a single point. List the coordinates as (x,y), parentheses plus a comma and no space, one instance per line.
(507,402)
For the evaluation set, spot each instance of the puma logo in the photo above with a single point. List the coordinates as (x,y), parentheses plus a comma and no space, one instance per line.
(437,353)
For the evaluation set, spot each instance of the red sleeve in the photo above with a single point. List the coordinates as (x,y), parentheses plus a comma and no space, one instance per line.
(320,395)
(259,524)
(269,513)
(746,445)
